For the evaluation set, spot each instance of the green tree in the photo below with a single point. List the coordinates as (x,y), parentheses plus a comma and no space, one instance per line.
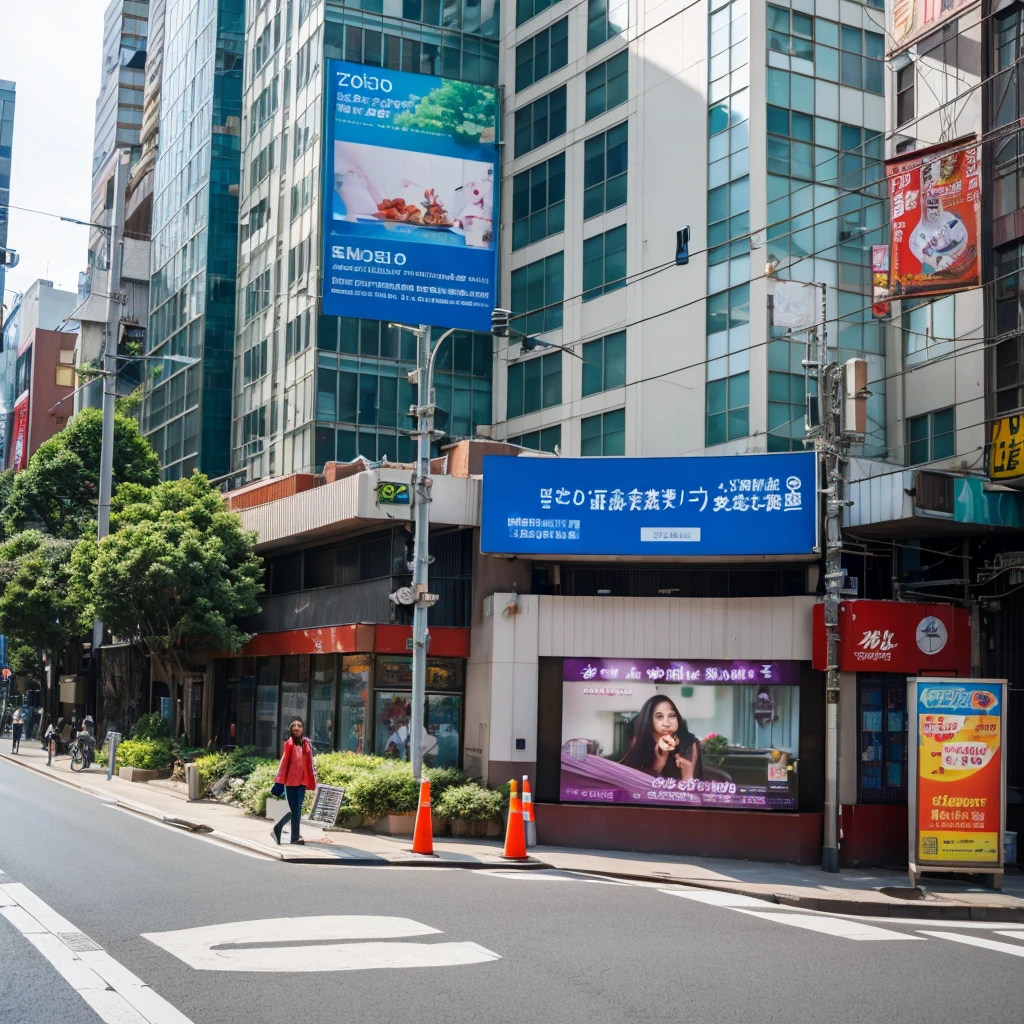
(59,487)
(463,111)
(177,573)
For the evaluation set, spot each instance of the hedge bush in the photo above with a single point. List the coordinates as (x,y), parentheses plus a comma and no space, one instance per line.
(253,793)
(470,802)
(151,755)
(389,789)
(151,727)
(236,764)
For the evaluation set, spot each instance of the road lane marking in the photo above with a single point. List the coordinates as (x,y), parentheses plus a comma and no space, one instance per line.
(839,927)
(551,876)
(976,940)
(113,993)
(717,898)
(327,945)
(1012,935)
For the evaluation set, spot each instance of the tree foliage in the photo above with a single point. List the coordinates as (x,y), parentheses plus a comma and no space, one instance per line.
(177,573)
(59,488)
(464,111)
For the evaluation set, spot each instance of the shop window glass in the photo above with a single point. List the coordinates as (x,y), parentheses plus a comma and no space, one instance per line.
(266,706)
(321,712)
(355,682)
(882,739)
(442,728)
(294,691)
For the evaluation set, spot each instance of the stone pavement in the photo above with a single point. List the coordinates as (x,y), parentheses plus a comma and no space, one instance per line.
(852,891)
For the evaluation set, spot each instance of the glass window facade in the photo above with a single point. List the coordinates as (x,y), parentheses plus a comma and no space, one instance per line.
(540,122)
(527,9)
(931,437)
(607,85)
(604,263)
(604,434)
(728,409)
(542,54)
(604,364)
(1006,368)
(538,202)
(605,19)
(187,413)
(547,439)
(537,293)
(605,165)
(534,384)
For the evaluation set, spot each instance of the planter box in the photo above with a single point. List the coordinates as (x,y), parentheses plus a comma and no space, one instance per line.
(276,808)
(440,825)
(142,774)
(476,829)
(395,824)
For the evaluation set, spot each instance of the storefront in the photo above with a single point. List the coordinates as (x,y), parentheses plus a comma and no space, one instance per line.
(881,644)
(357,701)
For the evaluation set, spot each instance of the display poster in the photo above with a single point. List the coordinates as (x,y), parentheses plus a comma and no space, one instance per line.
(912,19)
(411,166)
(959,776)
(680,733)
(935,213)
(1005,448)
(19,453)
(699,505)
(880,281)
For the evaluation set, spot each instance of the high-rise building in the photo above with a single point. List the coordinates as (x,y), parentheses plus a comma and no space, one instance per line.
(187,410)
(7,97)
(310,389)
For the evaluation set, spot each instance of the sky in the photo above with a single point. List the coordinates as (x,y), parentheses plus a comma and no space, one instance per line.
(52,51)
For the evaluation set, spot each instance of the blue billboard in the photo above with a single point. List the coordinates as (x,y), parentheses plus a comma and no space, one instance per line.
(411,168)
(703,506)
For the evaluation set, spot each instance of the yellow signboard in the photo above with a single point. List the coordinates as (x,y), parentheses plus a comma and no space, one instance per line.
(1006,451)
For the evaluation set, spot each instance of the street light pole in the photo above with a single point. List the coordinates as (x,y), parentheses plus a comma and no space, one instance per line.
(424,410)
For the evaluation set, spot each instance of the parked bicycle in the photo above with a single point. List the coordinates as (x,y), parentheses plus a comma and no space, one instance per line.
(83,749)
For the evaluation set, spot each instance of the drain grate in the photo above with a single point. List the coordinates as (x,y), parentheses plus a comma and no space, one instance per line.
(79,942)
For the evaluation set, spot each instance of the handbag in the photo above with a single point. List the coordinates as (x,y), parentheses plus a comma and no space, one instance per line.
(277,790)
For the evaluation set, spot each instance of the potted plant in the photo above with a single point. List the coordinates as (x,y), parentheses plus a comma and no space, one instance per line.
(389,795)
(470,809)
(714,748)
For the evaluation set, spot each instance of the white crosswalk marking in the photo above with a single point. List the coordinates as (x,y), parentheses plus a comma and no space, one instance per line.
(717,898)
(837,926)
(976,940)
(115,994)
(1012,935)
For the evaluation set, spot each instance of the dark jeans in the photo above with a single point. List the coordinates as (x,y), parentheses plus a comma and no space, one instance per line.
(16,737)
(295,794)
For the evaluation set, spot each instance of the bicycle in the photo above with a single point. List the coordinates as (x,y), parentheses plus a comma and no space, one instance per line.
(81,756)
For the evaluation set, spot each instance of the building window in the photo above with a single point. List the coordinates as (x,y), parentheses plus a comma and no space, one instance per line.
(728,409)
(604,434)
(257,295)
(861,59)
(1008,176)
(729,215)
(728,311)
(605,162)
(540,121)
(928,328)
(604,263)
(1007,367)
(534,384)
(604,363)
(538,202)
(254,362)
(786,412)
(606,18)
(537,293)
(545,440)
(906,79)
(527,9)
(542,54)
(608,84)
(261,165)
(790,33)
(931,437)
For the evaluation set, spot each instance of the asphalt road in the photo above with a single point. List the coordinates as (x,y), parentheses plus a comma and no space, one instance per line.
(569,949)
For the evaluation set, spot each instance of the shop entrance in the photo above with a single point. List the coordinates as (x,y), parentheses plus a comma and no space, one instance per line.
(882,738)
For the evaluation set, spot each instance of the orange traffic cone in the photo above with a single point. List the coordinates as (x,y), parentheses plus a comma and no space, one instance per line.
(515,837)
(423,834)
(529,822)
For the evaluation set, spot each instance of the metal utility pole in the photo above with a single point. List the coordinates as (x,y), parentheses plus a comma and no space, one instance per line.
(424,412)
(831,448)
(110,343)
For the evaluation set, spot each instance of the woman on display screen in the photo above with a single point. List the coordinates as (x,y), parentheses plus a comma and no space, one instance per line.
(662,744)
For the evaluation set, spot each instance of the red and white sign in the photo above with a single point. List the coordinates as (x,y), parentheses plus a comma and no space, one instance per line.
(897,636)
(19,455)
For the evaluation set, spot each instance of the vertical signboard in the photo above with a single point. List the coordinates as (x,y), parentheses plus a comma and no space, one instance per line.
(880,305)
(1005,448)
(19,454)
(935,211)
(912,19)
(958,773)
(411,169)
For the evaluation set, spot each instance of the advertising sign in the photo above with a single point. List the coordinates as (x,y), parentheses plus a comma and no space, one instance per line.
(680,733)
(935,210)
(409,223)
(1004,452)
(956,816)
(896,636)
(912,19)
(705,505)
(19,454)
(880,281)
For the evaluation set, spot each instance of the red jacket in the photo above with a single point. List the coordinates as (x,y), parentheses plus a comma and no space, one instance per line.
(308,775)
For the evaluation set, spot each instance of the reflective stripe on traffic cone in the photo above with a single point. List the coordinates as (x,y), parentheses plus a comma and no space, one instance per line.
(423,834)
(515,836)
(529,823)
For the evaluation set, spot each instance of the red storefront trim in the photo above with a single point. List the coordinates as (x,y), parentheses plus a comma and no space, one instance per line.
(445,641)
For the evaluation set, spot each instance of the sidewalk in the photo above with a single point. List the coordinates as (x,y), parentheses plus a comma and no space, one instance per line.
(852,891)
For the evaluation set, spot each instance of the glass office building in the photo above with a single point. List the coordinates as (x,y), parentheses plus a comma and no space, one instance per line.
(187,411)
(7,91)
(308,388)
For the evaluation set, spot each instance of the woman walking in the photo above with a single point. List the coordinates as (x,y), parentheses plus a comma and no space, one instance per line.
(17,725)
(294,777)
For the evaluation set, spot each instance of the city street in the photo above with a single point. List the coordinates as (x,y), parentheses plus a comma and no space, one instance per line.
(471,946)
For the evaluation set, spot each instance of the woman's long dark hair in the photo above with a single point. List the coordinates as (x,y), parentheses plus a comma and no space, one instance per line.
(640,754)
(291,735)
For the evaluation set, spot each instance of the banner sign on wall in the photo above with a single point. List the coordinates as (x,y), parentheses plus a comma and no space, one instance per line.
(912,19)
(662,733)
(880,281)
(409,198)
(958,773)
(705,505)
(1005,448)
(19,454)
(935,211)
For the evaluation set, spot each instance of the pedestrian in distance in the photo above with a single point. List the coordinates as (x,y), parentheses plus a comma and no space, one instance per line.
(294,776)
(17,725)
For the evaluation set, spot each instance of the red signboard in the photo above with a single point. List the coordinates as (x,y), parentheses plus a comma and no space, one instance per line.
(898,637)
(19,455)
(935,210)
